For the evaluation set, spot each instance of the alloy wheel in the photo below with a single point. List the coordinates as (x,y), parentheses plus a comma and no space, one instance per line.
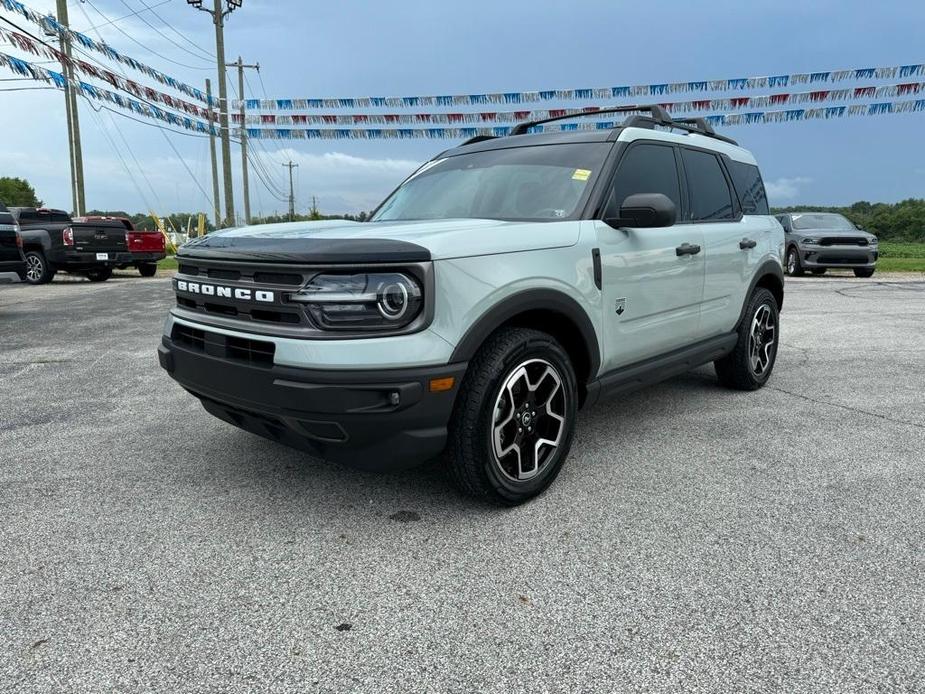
(34,268)
(791,263)
(761,340)
(528,423)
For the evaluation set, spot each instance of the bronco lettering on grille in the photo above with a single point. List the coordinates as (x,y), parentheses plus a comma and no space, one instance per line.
(239,293)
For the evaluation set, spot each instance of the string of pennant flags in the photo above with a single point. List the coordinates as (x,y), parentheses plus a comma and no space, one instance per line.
(716,120)
(25,43)
(90,91)
(639,90)
(697,105)
(48,22)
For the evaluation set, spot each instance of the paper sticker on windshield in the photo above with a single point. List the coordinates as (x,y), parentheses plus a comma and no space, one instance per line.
(581,175)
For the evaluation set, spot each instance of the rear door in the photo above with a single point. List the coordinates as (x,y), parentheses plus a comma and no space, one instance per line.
(728,236)
(651,293)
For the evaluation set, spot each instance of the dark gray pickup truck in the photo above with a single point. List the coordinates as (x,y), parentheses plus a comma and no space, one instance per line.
(54,242)
(12,262)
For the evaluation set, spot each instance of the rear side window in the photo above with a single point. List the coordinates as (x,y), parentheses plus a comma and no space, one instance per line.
(747,180)
(646,169)
(711,199)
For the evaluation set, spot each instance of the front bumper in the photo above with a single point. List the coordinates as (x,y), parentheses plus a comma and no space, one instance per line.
(838,256)
(376,420)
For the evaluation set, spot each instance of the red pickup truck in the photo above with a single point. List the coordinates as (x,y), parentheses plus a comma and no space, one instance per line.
(146,247)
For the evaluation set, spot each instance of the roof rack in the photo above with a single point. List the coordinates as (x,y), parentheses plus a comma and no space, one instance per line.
(478,138)
(657,116)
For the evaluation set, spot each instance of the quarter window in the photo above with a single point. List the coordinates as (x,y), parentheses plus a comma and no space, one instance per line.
(645,169)
(747,181)
(711,199)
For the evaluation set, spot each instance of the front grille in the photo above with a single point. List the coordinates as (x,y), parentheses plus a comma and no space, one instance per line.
(842,260)
(290,279)
(219,274)
(257,352)
(843,241)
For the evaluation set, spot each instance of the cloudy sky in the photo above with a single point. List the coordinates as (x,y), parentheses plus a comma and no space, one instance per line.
(351,48)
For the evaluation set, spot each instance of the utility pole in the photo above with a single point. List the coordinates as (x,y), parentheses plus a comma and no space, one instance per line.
(218,17)
(73,122)
(216,198)
(291,166)
(247,200)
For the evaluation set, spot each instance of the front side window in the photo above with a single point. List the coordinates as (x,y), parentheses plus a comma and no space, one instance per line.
(539,183)
(710,197)
(747,180)
(645,169)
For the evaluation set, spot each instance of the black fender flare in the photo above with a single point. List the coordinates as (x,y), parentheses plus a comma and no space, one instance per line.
(768,268)
(540,299)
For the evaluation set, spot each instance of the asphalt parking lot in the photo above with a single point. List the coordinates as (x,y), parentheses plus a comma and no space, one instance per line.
(697,540)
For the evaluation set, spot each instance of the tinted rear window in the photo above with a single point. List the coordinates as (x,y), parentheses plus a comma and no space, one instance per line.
(747,180)
(709,191)
(42,216)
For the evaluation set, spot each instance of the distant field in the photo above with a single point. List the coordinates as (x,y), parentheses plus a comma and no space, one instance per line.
(901,257)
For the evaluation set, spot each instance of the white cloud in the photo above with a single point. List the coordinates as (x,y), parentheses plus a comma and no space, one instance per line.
(785,189)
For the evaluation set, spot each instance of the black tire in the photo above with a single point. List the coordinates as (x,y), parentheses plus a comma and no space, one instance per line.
(864,271)
(819,270)
(147,269)
(473,465)
(100,275)
(38,269)
(738,369)
(794,266)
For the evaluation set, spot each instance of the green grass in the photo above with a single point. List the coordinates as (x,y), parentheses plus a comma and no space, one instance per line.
(169,263)
(901,257)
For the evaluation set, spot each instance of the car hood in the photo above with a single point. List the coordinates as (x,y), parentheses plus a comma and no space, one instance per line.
(834,233)
(345,241)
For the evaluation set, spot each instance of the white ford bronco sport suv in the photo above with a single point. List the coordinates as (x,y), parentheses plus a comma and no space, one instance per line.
(505,284)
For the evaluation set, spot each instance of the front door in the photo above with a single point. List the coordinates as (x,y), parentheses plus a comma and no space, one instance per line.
(652,279)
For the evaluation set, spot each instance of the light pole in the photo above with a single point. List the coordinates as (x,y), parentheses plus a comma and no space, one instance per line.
(219,12)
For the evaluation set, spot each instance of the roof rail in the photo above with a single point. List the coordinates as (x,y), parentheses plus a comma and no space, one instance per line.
(478,138)
(658,114)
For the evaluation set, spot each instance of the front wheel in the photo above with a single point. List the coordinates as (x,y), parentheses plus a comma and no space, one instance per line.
(514,418)
(863,272)
(794,266)
(38,269)
(100,275)
(749,365)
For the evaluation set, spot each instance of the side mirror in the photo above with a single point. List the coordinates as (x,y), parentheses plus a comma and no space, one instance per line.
(645,211)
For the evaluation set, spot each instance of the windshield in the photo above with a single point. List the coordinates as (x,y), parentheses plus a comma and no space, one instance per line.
(822,221)
(540,183)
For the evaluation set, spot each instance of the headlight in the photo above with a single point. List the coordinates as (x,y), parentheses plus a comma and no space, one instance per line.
(874,241)
(382,301)
(809,241)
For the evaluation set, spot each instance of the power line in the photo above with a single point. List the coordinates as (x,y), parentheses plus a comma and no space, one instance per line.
(147,48)
(167,38)
(150,8)
(185,166)
(128,16)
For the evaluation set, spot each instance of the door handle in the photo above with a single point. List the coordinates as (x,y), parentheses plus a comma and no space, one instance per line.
(745,244)
(687,249)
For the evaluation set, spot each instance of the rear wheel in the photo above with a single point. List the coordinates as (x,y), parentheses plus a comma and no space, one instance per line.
(794,267)
(749,365)
(38,269)
(147,269)
(99,275)
(514,419)
(863,272)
